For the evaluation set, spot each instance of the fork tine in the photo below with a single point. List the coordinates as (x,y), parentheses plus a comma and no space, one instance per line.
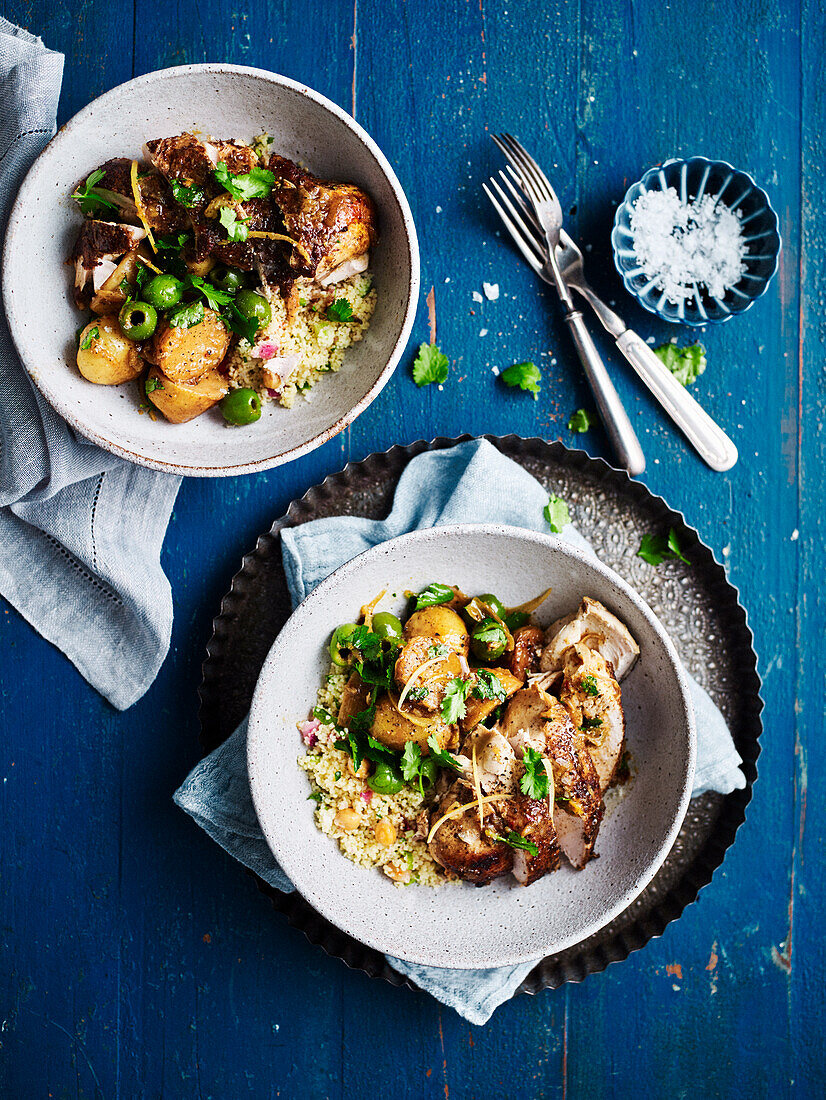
(517,237)
(533,178)
(519,196)
(515,224)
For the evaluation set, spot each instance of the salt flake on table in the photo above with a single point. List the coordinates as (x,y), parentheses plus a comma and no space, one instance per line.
(491,291)
(483,332)
(477,297)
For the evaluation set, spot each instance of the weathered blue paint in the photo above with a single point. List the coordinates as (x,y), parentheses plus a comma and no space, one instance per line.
(137,959)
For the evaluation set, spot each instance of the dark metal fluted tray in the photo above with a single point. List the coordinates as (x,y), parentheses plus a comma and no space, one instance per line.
(699,607)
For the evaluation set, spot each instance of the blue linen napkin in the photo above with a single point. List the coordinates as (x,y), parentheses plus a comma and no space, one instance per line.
(80,529)
(471,482)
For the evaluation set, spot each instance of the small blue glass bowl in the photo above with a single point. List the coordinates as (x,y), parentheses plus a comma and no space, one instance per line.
(692,179)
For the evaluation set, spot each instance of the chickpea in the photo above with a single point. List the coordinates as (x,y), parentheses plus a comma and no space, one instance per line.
(385,832)
(363,769)
(396,872)
(347,820)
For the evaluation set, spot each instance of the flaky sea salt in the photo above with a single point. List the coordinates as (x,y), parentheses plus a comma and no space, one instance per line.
(683,245)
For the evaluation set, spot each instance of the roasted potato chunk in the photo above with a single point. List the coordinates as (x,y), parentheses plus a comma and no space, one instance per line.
(111,295)
(435,678)
(394,730)
(442,625)
(183,401)
(110,357)
(187,354)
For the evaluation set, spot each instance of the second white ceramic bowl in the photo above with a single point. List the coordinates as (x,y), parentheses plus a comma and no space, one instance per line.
(225,101)
(458,925)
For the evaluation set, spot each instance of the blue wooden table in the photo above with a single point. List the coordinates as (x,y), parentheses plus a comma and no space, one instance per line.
(138,959)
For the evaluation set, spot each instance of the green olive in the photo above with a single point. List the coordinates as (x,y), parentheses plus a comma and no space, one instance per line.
(386,779)
(340,643)
(387,626)
(495,604)
(227,278)
(138,320)
(164,291)
(516,619)
(488,640)
(241,406)
(254,307)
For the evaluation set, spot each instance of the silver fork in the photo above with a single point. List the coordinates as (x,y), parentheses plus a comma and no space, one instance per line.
(549,216)
(707,437)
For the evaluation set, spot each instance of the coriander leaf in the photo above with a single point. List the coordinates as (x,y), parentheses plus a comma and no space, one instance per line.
(443,759)
(534,783)
(581,421)
(91,335)
(411,762)
(152,384)
(257,183)
(590,685)
(434,594)
(590,723)
(429,365)
(187,314)
(453,703)
(187,196)
(237,229)
(438,650)
(516,841)
(142,276)
(524,375)
(316,796)
(686,364)
(245,327)
(350,744)
(340,310)
(488,686)
(323,716)
(213,295)
(655,549)
(172,242)
(418,693)
(88,196)
(556,513)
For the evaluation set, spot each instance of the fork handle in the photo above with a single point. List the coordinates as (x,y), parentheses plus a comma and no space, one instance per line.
(709,439)
(622,436)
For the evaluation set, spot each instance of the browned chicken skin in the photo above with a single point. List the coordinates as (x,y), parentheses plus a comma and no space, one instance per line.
(460,846)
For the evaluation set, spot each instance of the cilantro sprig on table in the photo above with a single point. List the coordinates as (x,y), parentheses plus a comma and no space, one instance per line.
(430,365)
(525,376)
(655,549)
(556,513)
(581,421)
(686,364)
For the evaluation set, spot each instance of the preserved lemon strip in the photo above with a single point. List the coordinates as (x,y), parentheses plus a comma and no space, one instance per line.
(415,676)
(136,195)
(457,811)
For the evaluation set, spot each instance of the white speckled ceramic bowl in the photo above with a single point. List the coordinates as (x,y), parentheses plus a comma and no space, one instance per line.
(226,101)
(459,925)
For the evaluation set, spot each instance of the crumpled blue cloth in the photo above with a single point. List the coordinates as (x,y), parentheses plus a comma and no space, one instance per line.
(471,482)
(80,529)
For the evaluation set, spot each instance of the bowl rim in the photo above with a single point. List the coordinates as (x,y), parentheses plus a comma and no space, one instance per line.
(623,208)
(16,319)
(257,736)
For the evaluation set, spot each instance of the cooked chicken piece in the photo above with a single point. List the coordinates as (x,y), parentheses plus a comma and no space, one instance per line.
(533,820)
(534,718)
(258,214)
(497,767)
(394,729)
(434,673)
(442,626)
(112,294)
(186,354)
(333,222)
(191,160)
(591,694)
(98,247)
(598,628)
(163,214)
(478,710)
(460,846)
(354,699)
(526,654)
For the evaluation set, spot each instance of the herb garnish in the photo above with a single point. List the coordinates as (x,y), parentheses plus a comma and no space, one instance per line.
(488,686)
(581,421)
(237,228)
(316,796)
(526,376)
(340,310)
(514,840)
(430,365)
(438,650)
(91,335)
(172,242)
(443,758)
(590,685)
(152,384)
(187,196)
(323,715)
(556,513)
(215,297)
(434,594)
(534,783)
(590,723)
(89,197)
(257,183)
(686,364)
(655,549)
(418,693)
(453,704)
(187,314)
